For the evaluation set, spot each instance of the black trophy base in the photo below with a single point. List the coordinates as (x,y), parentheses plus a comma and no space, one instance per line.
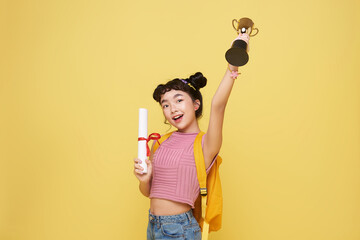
(237,55)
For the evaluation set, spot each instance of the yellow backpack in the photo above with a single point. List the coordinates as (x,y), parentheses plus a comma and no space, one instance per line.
(209,204)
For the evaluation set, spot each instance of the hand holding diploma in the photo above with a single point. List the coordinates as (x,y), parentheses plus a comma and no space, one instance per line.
(143,167)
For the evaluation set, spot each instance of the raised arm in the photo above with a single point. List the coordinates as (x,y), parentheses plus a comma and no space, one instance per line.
(213,137)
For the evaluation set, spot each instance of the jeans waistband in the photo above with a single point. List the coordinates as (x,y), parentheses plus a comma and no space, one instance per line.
(183,217)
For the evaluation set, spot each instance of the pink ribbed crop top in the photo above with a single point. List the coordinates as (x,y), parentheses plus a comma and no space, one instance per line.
(174,170)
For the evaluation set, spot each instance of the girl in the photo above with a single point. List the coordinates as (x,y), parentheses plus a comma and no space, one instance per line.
(171,181)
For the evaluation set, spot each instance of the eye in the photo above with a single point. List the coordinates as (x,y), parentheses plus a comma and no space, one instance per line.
(179,100)
(165,106)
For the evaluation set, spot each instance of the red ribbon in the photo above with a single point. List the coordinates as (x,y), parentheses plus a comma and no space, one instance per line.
(153,136)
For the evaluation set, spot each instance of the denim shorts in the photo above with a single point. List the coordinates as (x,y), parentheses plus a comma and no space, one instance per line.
(181,226)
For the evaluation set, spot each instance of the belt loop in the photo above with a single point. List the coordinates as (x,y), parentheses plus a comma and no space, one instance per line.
(188,214)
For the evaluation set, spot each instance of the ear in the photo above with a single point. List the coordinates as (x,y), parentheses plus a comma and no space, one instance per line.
(196,104)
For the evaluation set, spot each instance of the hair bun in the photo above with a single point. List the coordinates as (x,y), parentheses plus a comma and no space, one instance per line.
(198,80)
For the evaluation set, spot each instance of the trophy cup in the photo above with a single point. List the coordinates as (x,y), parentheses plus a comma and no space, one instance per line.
(237,55)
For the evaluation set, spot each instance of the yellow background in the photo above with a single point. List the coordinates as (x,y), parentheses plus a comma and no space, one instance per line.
(74,73)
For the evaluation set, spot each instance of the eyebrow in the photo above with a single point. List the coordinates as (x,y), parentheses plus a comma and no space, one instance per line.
(175,96)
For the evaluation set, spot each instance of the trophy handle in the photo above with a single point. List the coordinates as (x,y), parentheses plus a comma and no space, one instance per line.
(257,31)
(236,28)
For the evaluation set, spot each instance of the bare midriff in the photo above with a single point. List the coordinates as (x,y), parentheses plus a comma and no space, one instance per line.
(163,207)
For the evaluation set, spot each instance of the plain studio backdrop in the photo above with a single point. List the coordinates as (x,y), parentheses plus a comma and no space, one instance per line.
(73,75)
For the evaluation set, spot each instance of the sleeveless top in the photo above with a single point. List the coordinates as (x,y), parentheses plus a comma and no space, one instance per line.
(174,169)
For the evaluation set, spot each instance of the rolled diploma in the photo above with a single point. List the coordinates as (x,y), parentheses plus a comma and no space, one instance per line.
(143,119)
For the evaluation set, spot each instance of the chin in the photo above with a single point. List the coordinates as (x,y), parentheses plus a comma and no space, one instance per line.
(179,128)
(182,128)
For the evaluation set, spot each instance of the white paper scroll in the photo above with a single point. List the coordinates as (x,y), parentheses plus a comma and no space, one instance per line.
(143,131)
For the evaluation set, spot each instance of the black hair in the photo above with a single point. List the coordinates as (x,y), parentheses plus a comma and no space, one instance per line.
(195,82)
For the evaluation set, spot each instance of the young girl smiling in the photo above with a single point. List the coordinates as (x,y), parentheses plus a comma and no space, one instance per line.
(171,181)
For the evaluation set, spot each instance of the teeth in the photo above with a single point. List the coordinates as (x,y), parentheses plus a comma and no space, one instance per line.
(177,117)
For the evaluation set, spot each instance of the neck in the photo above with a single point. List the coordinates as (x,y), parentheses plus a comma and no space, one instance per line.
(193,128)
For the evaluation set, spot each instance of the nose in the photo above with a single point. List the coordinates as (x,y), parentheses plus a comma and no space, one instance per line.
(173,108)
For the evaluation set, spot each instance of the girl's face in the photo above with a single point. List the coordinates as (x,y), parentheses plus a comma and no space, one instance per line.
(179,110)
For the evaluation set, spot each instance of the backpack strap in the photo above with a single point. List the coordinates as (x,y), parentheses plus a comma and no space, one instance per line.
(202,176)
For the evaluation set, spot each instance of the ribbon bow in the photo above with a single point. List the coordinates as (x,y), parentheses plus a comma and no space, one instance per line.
(153,136)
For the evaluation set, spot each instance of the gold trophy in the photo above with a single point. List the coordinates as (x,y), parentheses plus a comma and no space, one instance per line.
(237,55)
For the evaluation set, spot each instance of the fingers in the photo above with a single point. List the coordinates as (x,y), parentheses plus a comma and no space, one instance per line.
(138,171)
(138,168)
(138,161)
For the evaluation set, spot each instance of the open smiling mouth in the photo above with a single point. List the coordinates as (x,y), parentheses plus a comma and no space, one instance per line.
(178,118)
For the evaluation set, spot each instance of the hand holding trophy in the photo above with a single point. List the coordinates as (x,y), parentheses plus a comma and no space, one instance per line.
(237,55)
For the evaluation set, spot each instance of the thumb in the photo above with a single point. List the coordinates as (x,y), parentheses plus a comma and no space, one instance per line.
(149,165)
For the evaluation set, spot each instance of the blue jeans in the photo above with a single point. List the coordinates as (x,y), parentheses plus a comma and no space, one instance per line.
(182,226)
